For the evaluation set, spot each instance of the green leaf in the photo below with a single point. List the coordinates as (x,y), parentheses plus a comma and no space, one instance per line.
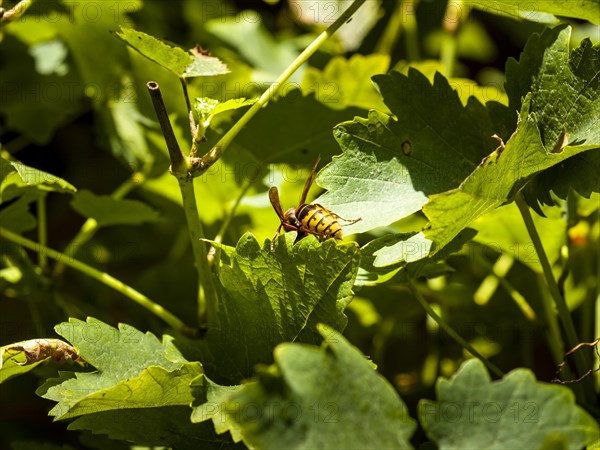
(209,399)
(176,60)
(16,216)
(276,136)
(566,100)
(271,297)
(328,398)
(19,174)
(110,211)
(564,86)
(405,257)
(20,186)
(579,173)
(539,10)
(21,357)
(208,107)
(390,166)
(167,426)
(347,82)
(155,374)
(518,411)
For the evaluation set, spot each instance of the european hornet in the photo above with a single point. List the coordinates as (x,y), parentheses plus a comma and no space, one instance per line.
(307,218)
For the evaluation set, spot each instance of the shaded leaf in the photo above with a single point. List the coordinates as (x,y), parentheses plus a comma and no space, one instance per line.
(405,256)
(518,411)
(110,211)
(275,136)
(16,216)
(35,104)
(252,40)
(123,129)
(168,426)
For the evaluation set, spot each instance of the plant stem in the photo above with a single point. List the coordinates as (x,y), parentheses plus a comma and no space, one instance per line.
(104,278)
(16,12)
(207,299)
(453,334)
(180,166)
(189,108)
(42,230)
(215,153)
(563,311)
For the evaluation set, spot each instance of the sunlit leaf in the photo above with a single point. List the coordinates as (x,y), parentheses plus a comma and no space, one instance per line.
(544,10)
(178,61)
(153,376)
(390,166)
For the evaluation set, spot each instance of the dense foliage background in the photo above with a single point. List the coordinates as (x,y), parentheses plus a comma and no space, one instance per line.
(407,96)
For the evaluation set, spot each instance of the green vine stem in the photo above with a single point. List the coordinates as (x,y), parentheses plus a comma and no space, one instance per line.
(181,168)
(453,334)
(11,15)
(105,279)
(42,230)
(207,297)
(563,311)
(180,165)
(215,153)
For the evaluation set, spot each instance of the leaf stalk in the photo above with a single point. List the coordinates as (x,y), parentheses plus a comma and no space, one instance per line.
(450,331)
(563,311)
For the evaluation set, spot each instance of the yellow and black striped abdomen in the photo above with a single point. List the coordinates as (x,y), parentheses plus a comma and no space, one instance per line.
(319,221)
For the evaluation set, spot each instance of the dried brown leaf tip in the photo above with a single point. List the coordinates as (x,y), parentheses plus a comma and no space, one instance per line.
(37,350)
